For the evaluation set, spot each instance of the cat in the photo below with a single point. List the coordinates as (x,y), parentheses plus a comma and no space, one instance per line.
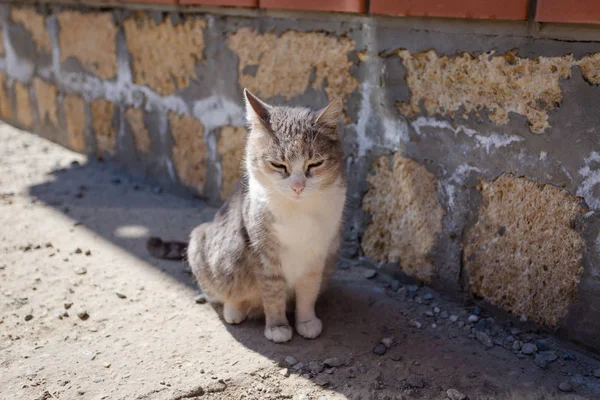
(277,237)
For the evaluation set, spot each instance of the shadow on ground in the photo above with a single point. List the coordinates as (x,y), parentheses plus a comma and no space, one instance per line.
(123,210)
(424,362)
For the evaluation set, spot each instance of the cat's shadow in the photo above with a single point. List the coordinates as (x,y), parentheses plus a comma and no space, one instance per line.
(356,316)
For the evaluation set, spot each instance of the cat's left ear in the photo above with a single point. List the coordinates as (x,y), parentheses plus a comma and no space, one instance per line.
(330,115)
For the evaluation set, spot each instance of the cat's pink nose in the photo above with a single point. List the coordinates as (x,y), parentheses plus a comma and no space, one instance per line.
(298,187)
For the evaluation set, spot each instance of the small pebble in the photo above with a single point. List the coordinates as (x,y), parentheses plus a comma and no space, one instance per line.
(370,273)
(436,310)
(120,295)
(597,373)
(322,380)
(116,180)
(473,318)
(454,394)
(484,339)
(83,315)
(428,296)
(528,348)
(387,342)
(434,325)
(88,253)
(416,324)
(428,313)
(395,285)
(516,346)
(107,365)
(200,299)
(477,311)
(453,318)
(543,358)
(412,288)
(333,362)
(565,386)
(542,345)
(298,367)
(28,317)
(290,361)
(99,380)
(44,396)
(316,367)
(78,251)
(414,382)
(444,315)
(2,266)
(80,270)
(284,372)
(380,349)
(395,356)
(571,357)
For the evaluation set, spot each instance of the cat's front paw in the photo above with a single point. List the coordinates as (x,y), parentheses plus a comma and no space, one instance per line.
(278,333)
(233,315)
(309,329)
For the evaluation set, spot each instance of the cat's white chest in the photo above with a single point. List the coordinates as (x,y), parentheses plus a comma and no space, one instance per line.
(305,236)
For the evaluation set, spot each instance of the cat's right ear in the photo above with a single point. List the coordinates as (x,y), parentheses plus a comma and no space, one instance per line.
(257,111)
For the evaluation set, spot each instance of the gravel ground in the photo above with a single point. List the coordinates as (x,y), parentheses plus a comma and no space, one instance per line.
(86,314)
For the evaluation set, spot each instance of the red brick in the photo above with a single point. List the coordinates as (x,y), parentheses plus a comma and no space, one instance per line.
(231,3)
(574,11)
(480,9)
(147,1)
(356,6)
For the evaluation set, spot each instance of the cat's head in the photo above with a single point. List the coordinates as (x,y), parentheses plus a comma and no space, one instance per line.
(295,152)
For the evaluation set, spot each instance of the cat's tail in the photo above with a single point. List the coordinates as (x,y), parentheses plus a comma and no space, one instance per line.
(166,250)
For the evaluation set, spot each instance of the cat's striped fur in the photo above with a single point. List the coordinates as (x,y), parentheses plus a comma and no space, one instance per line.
(277,237)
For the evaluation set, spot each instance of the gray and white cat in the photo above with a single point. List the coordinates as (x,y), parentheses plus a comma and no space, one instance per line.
(277,237)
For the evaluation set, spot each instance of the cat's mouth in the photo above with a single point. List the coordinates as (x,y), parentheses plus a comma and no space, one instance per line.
(296,197)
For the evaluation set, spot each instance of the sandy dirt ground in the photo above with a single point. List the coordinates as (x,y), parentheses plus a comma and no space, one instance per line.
(85,313)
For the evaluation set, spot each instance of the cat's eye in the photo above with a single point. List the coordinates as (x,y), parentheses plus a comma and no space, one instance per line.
(314,165)
(279,166)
